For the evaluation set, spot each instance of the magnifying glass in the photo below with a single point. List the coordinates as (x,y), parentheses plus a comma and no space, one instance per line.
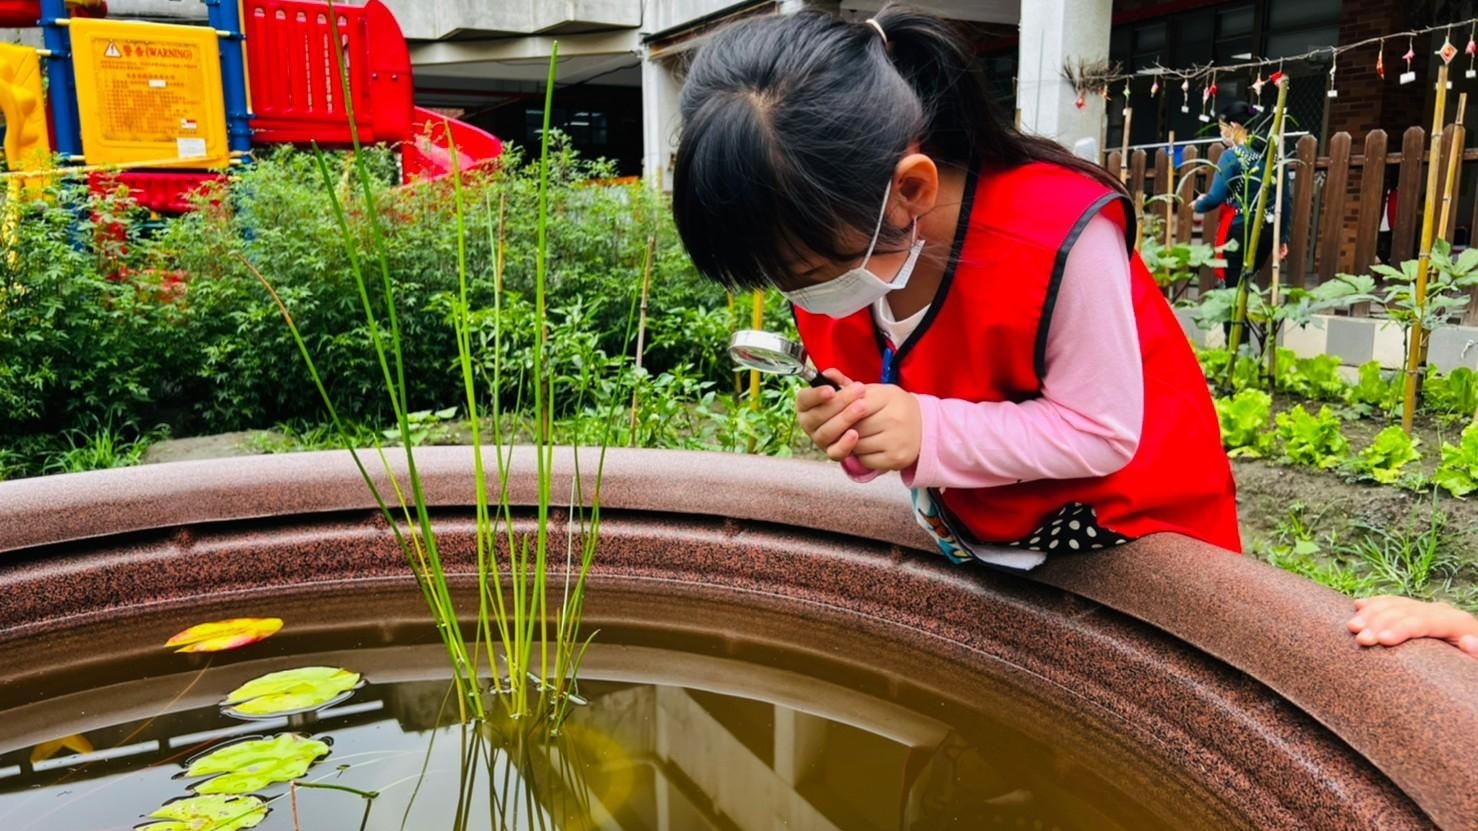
(768,352)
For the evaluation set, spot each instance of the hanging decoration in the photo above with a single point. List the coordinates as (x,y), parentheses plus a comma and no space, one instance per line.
(1208,95)
(1447,52)
(1333,65)
(1155,87)
(1408,76)
(1127,93)
(1185,95)
(1258,84)
(1472,52)
(1089,76)
(1380,60)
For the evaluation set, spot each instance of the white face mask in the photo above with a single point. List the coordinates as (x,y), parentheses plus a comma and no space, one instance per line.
(857,288)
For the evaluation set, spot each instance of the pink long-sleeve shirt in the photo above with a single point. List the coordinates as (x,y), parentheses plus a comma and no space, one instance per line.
(1088,419)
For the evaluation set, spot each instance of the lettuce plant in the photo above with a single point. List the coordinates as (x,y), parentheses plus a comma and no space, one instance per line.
(1390,451)
(1244,419)
(1312,440)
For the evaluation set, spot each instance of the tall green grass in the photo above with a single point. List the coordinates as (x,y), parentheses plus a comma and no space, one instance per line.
(537,636)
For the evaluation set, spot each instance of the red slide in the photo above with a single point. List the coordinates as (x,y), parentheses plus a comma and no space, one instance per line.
(427,154)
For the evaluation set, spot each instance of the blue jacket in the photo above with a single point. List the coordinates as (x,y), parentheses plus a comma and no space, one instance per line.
(1235,186)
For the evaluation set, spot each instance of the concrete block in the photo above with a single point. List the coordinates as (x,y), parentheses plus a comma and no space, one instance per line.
(1453,347)
(1305,341)
(1390,345)
(1351,339)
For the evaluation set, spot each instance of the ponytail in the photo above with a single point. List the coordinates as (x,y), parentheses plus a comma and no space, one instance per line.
(965,124)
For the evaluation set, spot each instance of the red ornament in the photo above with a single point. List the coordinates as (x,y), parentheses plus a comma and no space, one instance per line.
(1277,78)
(1080,102)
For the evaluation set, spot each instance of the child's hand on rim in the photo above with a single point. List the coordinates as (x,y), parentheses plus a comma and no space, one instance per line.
(827,415)
(1388,620)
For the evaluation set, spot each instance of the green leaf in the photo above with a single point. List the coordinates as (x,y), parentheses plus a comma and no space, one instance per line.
(251,765)
(291,691)
(209,813)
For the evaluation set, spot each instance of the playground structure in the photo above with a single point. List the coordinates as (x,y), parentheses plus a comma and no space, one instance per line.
(165,108)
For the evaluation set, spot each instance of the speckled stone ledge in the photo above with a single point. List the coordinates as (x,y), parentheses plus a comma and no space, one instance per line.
(787,530)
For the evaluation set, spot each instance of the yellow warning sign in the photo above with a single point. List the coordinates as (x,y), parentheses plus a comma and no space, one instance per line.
(149,92)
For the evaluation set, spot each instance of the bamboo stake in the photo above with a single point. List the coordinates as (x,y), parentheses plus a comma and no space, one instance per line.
(1273,298)
(1454,166)
(641,328)
(757,321)
(1170,211)
(1239,315)
(1124,146)
(1419,293)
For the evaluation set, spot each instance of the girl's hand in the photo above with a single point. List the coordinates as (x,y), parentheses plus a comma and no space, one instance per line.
(890,434)
(827,415)
(1389,620)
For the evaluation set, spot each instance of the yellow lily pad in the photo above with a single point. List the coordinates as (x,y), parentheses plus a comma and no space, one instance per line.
(223,635)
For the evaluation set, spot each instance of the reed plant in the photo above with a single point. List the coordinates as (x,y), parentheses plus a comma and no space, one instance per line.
(530,594)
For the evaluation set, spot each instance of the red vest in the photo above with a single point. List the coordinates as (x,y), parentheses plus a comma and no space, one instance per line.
(984,338)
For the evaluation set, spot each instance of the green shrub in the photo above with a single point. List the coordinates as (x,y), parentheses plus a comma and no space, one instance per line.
(91,331)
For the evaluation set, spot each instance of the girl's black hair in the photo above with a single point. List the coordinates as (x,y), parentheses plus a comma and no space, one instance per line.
(793,124)
(1238,112)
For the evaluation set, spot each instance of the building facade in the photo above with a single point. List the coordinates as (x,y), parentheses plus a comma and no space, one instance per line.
(621,62)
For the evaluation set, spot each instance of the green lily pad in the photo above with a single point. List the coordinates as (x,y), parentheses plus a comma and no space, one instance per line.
(209,813)
(248,766)
(291,691)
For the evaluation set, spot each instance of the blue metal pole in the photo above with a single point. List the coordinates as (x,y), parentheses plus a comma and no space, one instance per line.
(225,18)
(61,82)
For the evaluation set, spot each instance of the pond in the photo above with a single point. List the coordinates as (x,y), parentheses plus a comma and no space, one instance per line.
(688,727)
(759,662)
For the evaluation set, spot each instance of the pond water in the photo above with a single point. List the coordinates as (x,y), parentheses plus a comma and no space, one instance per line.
(689,729)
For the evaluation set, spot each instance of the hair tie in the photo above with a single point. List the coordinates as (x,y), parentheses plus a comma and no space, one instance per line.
(876,25)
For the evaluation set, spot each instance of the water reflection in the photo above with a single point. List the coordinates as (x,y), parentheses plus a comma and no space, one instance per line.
(639,757)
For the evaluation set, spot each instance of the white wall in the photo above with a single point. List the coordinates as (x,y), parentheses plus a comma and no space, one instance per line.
(436,19)
(1054,32)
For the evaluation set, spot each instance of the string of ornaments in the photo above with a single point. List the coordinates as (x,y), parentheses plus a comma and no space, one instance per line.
(1190,78)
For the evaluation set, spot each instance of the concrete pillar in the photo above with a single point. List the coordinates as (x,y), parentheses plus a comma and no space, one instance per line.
(660,121)
(1054,32)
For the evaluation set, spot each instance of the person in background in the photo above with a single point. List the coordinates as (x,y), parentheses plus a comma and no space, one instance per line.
(972,290)
(1234,189)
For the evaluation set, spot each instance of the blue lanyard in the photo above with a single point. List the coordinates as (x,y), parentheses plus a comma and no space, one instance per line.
(888,374)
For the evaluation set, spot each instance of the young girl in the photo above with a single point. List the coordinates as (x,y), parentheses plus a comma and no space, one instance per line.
(969,288)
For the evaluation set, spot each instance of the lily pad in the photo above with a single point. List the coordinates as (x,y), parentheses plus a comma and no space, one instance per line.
(291,691)
(209,813)
(244,767)
(225,634)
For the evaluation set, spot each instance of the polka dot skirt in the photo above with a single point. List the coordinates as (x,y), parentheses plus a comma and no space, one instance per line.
(1074,528)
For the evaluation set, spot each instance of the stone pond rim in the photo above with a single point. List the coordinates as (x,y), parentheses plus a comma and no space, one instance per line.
(1230,646)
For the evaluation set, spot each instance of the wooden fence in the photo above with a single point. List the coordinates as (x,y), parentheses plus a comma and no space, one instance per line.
(1337,201)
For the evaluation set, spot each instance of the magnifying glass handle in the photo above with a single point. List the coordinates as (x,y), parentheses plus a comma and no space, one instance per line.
(816,379)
